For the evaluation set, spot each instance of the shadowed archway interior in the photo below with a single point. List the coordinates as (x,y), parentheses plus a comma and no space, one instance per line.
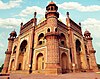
(22,50)
(78,52)
(40,62)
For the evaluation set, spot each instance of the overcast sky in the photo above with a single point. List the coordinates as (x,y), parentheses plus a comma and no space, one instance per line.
(13,12)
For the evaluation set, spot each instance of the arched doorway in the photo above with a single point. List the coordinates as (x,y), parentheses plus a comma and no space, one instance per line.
(12,65)
(23,48)
(78,52)
(64,63)
(40,62)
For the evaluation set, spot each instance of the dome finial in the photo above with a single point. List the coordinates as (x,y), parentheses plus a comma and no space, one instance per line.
(51,2)
(68,14)
(79,23)
(13,34)
(21,24)
(35,14)
(87,33)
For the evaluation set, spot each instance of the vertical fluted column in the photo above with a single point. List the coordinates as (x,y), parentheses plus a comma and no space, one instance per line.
(32,43)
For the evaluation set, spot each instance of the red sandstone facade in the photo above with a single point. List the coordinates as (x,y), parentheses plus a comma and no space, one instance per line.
(50,47)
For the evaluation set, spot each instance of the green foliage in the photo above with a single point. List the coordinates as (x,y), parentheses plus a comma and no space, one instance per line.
(1,67)
(98,66)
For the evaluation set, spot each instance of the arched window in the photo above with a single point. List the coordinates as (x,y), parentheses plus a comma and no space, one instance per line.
(78,44)
(41,39)
(48,30)
(86,50)
(62,40)
(48,8)
(55,29)
(14,50)
(51,8)
(12,65)
(23,46)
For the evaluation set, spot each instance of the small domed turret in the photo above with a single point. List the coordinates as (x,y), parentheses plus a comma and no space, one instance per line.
(87,33)
(51,7)
(51,10)
(13,34)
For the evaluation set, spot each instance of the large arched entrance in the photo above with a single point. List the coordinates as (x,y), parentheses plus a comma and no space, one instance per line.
(64,63)
(12,65)
(40,62)
(23,48)
(78,52)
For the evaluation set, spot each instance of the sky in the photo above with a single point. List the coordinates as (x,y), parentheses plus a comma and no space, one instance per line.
(13,12)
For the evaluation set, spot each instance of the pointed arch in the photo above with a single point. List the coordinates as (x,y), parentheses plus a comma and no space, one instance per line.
(63,40)
(22,51)
(40,62)
(64,62)
(14,50)
(41,39)
(78,52)
(12,65)
(48,30)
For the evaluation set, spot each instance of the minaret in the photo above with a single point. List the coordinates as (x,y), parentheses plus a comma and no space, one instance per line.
(68,20)
(9,51)
(34,19)
(91,51)
(21,26)
(52,37)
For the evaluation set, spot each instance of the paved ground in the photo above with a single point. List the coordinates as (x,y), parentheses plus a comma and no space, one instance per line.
(61,76)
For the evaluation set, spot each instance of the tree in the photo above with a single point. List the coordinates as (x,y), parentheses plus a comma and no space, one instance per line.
(1,67)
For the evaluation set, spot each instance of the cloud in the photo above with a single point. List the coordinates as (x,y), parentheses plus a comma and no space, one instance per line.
(10,4)
(9,22)
(31,10)
(93,25)
(1,45)
(97,44)
(79,7)
(2,36)
(62,18)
